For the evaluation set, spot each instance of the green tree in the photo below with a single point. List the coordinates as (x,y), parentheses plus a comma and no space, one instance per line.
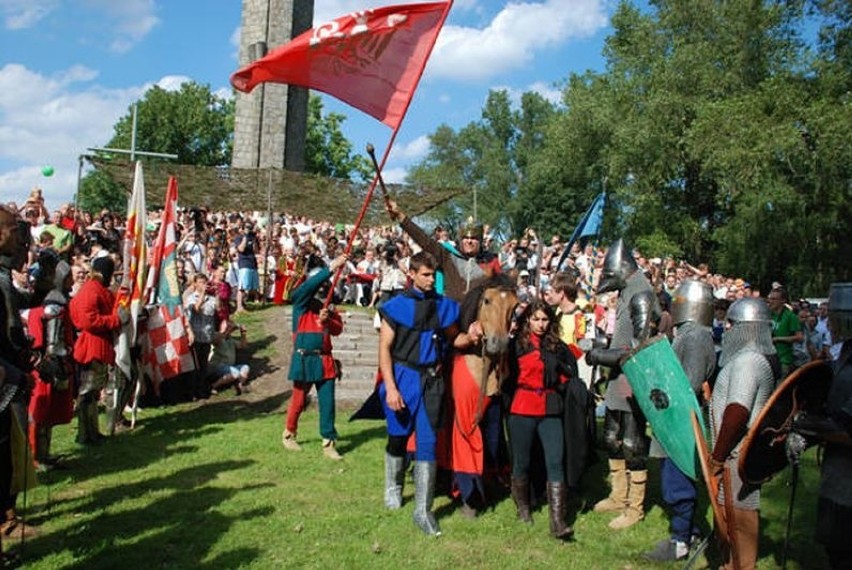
(327,151)
(193,123)
(490,157)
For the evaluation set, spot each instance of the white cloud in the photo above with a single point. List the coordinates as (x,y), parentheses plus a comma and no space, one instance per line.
(131,20)
(547,90)
(394,175)
(172,82)
(511,39)
(22,14)
(51,120)
(413,150)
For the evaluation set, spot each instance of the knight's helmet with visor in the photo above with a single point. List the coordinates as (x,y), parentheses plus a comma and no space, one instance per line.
(618,265)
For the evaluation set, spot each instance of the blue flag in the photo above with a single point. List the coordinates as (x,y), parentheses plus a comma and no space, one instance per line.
(589,225)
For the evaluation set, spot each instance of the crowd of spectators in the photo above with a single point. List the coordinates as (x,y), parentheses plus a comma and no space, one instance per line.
(254,257)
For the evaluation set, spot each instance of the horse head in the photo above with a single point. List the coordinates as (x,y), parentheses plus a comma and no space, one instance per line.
(493,305)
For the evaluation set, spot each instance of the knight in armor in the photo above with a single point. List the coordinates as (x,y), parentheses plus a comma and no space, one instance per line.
(692,317)
(834,506)
(464,269)
(417,328)
(52,332)
(749,369)
(624,423)
(96,317)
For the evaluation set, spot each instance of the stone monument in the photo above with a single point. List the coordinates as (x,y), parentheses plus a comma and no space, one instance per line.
(270,125)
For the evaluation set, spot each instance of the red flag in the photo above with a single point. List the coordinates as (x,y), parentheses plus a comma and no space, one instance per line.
(370,59)
(166,342)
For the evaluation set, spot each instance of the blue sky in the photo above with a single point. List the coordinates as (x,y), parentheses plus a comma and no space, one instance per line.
(70,68)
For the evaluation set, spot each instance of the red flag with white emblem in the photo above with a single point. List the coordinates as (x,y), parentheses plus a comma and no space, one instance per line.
(370,59)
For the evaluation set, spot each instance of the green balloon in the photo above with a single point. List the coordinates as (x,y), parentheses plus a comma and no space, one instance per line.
(47,170)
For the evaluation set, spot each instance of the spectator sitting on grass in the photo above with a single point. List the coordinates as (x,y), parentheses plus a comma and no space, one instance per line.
(223,365)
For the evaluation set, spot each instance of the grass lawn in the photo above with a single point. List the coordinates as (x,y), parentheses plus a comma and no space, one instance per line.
(209,486)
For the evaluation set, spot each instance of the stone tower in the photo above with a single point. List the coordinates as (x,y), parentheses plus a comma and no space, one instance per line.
(271,122)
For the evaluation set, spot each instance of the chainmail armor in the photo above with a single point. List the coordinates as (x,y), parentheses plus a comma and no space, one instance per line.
(693,345)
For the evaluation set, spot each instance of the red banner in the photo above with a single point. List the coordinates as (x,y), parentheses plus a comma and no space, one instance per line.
(371,59)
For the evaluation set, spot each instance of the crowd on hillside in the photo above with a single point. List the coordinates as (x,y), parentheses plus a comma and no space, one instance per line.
(229,261)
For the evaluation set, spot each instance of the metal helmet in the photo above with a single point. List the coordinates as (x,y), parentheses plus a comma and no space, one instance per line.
(472,229)
(751,325)
(749,310)
(618,265)
(693,302)
(840,311)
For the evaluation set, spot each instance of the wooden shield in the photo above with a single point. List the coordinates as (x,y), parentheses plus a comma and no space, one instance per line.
(763,452)
(665,396)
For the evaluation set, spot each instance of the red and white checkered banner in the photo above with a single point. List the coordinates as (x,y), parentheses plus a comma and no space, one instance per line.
(166,344)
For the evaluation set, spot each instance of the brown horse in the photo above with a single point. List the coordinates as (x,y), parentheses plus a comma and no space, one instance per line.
(475,379)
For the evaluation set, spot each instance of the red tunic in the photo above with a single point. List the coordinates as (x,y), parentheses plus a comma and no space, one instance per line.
(47,404)
(531,394)
(92,314)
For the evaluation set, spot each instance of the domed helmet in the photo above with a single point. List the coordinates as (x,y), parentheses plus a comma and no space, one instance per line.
(751,325)
(618,265)
(749,310)
(693,302)
(840,311)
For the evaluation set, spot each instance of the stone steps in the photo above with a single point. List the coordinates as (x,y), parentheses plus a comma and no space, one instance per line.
(357,348)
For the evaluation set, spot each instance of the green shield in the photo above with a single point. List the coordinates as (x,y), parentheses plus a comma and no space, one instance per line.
(662,391)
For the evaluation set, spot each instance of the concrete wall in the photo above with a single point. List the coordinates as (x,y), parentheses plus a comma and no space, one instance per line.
(271,121)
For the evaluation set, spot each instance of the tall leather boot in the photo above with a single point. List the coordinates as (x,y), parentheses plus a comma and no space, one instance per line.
(635,510)
(617,500)
(425,473)
(394,479)
(748,523)
(556,501)
(521,496)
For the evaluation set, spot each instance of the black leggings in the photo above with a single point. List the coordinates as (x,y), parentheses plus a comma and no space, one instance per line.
(522,430)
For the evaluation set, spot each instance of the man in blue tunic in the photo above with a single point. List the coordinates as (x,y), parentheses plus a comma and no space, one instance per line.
(416,328)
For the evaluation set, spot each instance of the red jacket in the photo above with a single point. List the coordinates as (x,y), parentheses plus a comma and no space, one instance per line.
(93,315)
(530,394)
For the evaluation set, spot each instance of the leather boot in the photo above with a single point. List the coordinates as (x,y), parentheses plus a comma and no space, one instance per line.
(394,479)
(617,500)
(747,524)
(425,473)
(635,510)
(521,496)
(556,501)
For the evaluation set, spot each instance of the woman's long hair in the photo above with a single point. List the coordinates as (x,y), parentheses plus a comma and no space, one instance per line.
(550,340)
